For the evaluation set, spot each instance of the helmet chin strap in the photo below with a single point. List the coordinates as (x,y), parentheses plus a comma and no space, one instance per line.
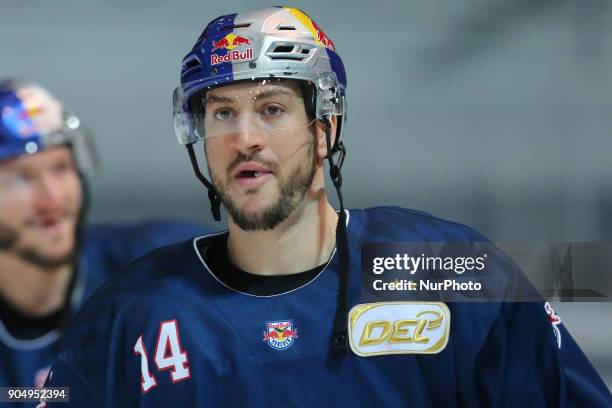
(340,335)
(213,196)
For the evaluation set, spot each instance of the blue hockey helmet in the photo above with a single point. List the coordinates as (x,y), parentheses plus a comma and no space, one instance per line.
(273,43)
(31,120)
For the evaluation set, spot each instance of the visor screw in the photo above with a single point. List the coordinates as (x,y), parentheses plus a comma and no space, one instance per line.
(31,147)
(252,65)
(213,71)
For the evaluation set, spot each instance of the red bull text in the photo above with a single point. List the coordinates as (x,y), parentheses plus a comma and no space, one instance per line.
(230,42)
(232,56)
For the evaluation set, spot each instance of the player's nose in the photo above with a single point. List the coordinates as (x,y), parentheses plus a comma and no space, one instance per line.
(249,136)
(48,193)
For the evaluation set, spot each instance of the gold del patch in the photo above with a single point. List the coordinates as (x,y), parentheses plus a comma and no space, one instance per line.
(398,328)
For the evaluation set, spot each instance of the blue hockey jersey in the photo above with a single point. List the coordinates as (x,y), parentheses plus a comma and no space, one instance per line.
(104,251)
(167,332)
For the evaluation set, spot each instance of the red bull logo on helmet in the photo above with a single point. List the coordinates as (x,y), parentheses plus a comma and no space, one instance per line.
(17,120)
(230,42)
(322,37)
(318,35)
(280,334)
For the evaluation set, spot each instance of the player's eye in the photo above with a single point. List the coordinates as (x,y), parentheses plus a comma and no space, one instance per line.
(223,114)
(14,180)
(272,110)
(62,166)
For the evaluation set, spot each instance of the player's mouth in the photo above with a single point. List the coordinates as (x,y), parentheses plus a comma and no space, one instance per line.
(50,225)
(252,174)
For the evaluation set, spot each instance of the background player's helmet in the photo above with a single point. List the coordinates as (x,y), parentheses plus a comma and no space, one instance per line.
(274,43)
(31,120)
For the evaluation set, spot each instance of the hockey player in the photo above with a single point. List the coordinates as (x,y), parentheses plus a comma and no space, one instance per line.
(50,263)
(258,315)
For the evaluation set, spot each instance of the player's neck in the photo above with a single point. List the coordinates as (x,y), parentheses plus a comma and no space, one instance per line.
(302,242)
(31,290)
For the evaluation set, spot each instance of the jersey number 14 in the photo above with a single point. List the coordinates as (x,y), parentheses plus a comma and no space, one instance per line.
(168,356)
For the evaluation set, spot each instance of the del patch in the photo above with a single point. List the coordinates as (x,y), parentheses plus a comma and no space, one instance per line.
(398,328)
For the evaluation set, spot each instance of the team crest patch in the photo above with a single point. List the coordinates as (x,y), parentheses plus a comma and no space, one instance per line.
(280,334)
(555,321)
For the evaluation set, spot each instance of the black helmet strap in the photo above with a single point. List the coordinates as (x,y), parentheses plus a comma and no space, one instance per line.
(213,196)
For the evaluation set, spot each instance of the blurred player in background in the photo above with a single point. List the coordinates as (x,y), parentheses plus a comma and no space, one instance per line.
(259,315)
(49,261)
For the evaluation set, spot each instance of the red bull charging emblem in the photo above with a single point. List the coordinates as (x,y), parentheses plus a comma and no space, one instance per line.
(18,121)
(280,335)
(322,38)
(229,43)
(317,34)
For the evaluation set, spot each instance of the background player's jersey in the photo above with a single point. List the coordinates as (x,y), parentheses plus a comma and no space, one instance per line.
(105,250)
(168,333)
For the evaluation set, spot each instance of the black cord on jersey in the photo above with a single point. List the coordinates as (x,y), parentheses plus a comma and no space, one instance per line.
(340,330)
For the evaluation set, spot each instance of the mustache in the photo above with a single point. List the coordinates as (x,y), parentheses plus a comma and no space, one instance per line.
(9,237)
(54,216)
(254,157)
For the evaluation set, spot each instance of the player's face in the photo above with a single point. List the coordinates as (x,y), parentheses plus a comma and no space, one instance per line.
(39,207)
(261,156)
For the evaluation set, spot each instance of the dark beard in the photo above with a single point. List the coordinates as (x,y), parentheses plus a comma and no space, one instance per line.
(45,262)
(292,192)
(8,239)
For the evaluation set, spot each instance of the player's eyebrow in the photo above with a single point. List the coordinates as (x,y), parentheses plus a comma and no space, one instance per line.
(219,99)
(210,99)
(271,93)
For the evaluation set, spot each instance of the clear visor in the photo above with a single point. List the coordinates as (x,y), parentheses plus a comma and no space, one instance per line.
(266,107)
(72,132)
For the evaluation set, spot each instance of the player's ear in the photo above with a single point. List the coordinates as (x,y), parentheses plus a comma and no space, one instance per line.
(321,142)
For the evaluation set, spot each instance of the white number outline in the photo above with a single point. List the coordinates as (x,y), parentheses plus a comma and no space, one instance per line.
(179,370)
